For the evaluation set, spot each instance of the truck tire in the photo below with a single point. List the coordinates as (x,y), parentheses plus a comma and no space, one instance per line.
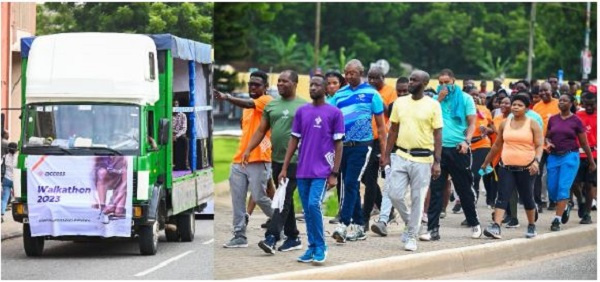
(148,239)
(34,246)
(186,225)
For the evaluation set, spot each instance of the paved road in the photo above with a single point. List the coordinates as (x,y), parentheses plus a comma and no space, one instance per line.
(578,265)
(113,260)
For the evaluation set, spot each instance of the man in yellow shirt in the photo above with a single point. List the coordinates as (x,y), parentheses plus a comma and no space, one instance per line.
(546,108)
(415,137)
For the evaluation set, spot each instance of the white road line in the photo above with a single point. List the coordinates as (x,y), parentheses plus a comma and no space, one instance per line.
(163,264)
(208,242)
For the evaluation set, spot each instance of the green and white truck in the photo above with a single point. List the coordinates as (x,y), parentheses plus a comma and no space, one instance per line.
(96,149)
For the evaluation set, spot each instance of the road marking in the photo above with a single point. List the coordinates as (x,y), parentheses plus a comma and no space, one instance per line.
(208,242)
(163,264)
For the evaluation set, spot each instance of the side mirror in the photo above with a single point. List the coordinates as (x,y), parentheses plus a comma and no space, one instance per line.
(163,131)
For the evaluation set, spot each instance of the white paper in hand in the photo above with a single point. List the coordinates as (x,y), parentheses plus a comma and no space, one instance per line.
(279,197)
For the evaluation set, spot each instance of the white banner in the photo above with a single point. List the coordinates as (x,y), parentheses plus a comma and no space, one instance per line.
(80,195)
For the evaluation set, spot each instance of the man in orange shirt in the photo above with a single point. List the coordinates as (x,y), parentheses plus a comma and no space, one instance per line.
(255,175)
(546,108)
(373,194)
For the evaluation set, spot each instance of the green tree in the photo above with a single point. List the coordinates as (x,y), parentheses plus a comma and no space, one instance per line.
(281,54)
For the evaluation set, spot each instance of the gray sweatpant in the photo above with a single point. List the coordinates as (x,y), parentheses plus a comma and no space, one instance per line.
(418,175)
(254,178)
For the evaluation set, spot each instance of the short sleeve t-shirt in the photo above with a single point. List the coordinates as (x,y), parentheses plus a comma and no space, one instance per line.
(250,123)
(388,95)
(546,110)
(280,115)
(453,132)
(484,118)
(318,127)
(563,133)
(418,119)
(358,106)
(590,123)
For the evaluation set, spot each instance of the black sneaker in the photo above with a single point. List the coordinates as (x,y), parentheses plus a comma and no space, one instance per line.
(587,219)
(552,206)
(506,219)
(431,235)
(580,208)
(555,225)
(266,224)
(513,223)
(464,223)
(565,215)
(457,208)
(493,231)
(530,231)
(268,244)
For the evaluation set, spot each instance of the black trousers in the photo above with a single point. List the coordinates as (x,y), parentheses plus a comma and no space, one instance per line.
(373,194)
(458,166)
(537,191)
(510,179)
(478,158)
(492,192)
(284,219)
(180,153)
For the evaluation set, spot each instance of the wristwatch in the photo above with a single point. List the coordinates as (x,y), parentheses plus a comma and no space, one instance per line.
(336,174)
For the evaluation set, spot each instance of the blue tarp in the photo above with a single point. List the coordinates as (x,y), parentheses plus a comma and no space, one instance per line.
(181,48)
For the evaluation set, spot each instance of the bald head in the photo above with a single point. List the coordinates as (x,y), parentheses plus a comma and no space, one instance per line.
(421,74)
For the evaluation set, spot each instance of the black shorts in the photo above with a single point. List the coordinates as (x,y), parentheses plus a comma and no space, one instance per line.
(583,175)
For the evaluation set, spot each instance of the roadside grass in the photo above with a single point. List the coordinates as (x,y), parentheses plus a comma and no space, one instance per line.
(223,150)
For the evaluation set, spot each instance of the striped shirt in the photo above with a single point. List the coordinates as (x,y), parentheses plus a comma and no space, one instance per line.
(358,106)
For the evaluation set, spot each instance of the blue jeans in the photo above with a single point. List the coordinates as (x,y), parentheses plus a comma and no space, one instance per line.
(354,163)
(312,192)
(7,186)
(561,174)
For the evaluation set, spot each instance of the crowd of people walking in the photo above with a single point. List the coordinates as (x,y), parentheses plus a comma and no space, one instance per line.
(532,143)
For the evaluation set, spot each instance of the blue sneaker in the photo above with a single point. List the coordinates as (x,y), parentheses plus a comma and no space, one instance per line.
(291,244)
(307,256)
(268,244)
(320,255)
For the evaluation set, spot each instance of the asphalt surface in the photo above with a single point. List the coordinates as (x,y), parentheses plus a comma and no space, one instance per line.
(120,260)
(574,265)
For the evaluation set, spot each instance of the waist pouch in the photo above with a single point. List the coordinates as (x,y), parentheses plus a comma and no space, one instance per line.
(417,152)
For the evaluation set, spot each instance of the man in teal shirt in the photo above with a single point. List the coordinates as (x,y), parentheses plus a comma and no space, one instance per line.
(458,114)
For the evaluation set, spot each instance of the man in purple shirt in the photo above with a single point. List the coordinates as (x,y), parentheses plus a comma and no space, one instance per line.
(321,128)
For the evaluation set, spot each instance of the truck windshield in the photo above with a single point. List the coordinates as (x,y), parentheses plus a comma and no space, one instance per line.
(82,129)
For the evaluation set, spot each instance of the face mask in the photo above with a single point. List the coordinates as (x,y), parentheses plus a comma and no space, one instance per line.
(450,87)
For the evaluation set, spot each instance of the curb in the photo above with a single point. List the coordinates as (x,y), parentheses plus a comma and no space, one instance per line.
(11,235)
(419,266)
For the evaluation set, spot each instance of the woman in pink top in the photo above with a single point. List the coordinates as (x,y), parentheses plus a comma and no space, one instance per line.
(520,141)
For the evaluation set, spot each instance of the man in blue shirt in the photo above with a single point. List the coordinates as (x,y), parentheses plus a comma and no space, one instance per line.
(359,103)
(458,114)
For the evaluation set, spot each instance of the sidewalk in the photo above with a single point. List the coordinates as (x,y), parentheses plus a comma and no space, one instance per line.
(253,262)
(10,228)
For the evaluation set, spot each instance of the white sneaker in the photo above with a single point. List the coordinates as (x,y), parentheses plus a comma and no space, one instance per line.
(411,245)
(340,233)
(476,232)
(425,236)
(404,237)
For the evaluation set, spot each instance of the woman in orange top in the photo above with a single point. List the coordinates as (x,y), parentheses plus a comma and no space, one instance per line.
(519,140)
(480,143)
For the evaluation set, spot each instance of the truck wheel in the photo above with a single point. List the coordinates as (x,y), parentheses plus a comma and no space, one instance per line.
(186,225)
(172,235)
(34,246)
(148,239)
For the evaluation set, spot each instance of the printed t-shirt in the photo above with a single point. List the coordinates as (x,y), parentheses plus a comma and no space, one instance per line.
(590,123)
(484,118)
(388,95)
(563,133)
(250,122)
(280,115)
(417,120)
(318,127)
(358,106)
